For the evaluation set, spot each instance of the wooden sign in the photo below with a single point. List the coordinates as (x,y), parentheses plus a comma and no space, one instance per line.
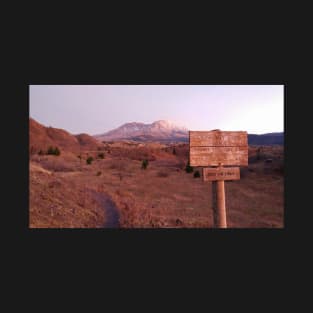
(211,148)
(218,138)
(222,173)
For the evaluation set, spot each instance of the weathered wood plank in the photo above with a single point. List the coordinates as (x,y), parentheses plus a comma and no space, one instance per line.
(214,147)
(218,138)
(226,173)
(213,156)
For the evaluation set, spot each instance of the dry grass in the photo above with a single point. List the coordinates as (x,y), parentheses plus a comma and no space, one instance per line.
(163,195)
(59,202)
(162,174)
(67,162)
(118,164)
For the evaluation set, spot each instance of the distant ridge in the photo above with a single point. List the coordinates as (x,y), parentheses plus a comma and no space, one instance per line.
(266,139)
(42,137)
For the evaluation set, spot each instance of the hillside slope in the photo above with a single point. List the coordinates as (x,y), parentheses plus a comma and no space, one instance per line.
(41,138)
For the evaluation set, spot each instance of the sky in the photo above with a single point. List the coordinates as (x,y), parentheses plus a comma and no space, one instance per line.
(95,109)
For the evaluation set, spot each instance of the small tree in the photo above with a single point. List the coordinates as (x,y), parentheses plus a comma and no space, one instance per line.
(189,169)
(50,150)
(89,160)
(144,164)
(196,174)
(53,151)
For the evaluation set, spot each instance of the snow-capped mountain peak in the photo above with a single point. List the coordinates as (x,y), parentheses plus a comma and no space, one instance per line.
(156,131)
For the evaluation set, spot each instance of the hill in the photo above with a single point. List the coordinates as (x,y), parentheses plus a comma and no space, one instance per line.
(42,137)
(266,139)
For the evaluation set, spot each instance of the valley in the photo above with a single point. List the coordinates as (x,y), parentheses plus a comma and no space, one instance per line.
(114,190)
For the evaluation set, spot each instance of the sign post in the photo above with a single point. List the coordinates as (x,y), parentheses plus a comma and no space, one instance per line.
(221,209)
(214,203)
(218,148)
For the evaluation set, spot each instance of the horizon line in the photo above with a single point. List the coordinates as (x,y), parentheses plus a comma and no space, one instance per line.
(93,135)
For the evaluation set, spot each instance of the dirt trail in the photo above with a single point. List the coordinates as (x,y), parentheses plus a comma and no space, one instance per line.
(111,211)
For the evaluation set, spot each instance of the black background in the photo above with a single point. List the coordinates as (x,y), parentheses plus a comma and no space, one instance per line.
(64,47)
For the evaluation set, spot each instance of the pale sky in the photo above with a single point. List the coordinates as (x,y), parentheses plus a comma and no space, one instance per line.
(95,109)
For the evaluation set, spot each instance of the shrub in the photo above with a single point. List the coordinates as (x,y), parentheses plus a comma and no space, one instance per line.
(50,150)
(40,152)
(99,173)
(196,174)
(53,151)
(101,155)
(174,151)
(79,156)
(89,160)
(144,164)
(189,169)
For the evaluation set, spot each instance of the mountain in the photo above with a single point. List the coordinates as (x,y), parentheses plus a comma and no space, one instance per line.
(42,137)
(163,131)
(266,139)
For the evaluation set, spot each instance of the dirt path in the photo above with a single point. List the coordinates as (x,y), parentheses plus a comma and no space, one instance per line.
(111,211)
